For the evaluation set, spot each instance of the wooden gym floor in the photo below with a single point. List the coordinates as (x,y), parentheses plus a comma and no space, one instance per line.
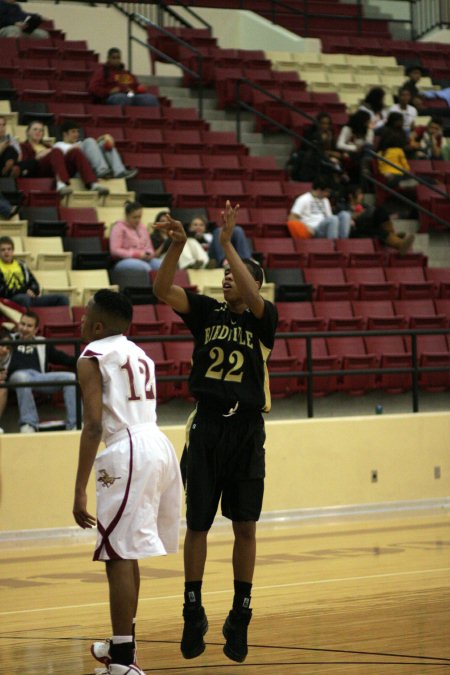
(354,596)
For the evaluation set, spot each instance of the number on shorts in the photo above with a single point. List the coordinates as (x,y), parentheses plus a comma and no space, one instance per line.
(144,370)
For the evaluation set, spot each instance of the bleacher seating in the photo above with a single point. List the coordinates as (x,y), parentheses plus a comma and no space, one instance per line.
(352,284)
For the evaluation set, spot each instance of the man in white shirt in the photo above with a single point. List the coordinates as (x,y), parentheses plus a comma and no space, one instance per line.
(313,209)
(404,107)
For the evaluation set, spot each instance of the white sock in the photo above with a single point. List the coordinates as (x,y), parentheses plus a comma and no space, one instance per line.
(121,639)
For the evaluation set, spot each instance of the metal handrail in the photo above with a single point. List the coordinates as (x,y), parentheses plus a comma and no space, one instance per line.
(415,369)
(163,4)
(404,172)
(199,56)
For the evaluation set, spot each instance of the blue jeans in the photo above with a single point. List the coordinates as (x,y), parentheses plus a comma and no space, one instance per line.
(28,413)
(137,99)
(334,227)
(48,300)
(239,241)
(5,207)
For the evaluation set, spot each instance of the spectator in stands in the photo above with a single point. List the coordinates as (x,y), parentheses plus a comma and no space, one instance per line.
(319,153)
(355,138)
(113,84)
(198,228)
(29,365)
(9,152)
(404,107)
(392,148)
(17,282)
(130,242)
(16,23)
(394,123)
(102,154)
(5,357)
(374,105)
(239,241)
(41,160)
(7,210)
(374,222)
(429,142)
(414,73)
(193,255)
(311,215)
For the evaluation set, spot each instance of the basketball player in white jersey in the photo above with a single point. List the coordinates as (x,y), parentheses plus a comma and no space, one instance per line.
(137,476)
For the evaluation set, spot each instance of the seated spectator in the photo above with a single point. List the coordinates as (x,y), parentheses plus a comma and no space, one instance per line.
(193,256)
(355,137)
(5,357)
(113,84)
(7,210)
(429,142)
(392,148)
(102,154)
(198,228)
(239,241)
(374,105)
(320,153)
(9,152)
(130,242)
(39,159)
(311,215)
(374,222)
(17,282)
(394,123)
(404,107)
(29,365)
(16,23)
(413,73)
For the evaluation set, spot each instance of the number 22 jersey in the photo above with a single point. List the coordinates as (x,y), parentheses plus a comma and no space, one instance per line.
(129,387)
(229,361)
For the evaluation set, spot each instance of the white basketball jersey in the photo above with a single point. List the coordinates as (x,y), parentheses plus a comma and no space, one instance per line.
(129,386)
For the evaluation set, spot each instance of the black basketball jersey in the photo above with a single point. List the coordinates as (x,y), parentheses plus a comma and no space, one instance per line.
(229,361)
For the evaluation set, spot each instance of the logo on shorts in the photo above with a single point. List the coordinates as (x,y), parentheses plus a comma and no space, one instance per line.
(106,480)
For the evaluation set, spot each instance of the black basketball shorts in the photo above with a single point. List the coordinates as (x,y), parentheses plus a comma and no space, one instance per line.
(224,459)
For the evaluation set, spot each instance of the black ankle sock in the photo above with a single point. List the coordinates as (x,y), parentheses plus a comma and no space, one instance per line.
(193,593)
(123,654)
(242,594)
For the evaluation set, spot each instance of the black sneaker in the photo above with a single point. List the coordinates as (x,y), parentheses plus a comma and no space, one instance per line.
(235,633)
(195,627)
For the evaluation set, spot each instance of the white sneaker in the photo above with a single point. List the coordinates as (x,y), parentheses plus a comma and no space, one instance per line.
(63,189)
(27,429)
(100,651)
(117,669)
(101,189)
(2,431)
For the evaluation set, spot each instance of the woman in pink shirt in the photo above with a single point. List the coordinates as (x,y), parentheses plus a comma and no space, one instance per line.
(130,243)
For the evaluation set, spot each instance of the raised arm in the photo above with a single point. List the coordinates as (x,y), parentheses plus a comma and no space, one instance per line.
(91,388)
(163,286)
(248,287)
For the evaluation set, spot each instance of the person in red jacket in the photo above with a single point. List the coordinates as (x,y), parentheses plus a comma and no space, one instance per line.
(113,84)
(41,160)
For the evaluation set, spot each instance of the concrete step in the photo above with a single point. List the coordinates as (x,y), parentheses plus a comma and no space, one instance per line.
(229,125)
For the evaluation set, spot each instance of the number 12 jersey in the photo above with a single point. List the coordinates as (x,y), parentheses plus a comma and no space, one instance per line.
(129,386)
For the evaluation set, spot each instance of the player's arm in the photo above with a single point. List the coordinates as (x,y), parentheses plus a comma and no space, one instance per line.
(163,286)
(91,390)
(248,287)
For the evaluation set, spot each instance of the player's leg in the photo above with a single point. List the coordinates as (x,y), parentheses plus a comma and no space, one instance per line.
(243,503)
(202,499)
(123,580)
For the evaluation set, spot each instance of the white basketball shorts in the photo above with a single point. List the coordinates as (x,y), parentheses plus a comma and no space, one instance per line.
(138,487)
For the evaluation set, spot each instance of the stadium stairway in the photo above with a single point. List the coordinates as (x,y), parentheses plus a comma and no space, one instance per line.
(276,145)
